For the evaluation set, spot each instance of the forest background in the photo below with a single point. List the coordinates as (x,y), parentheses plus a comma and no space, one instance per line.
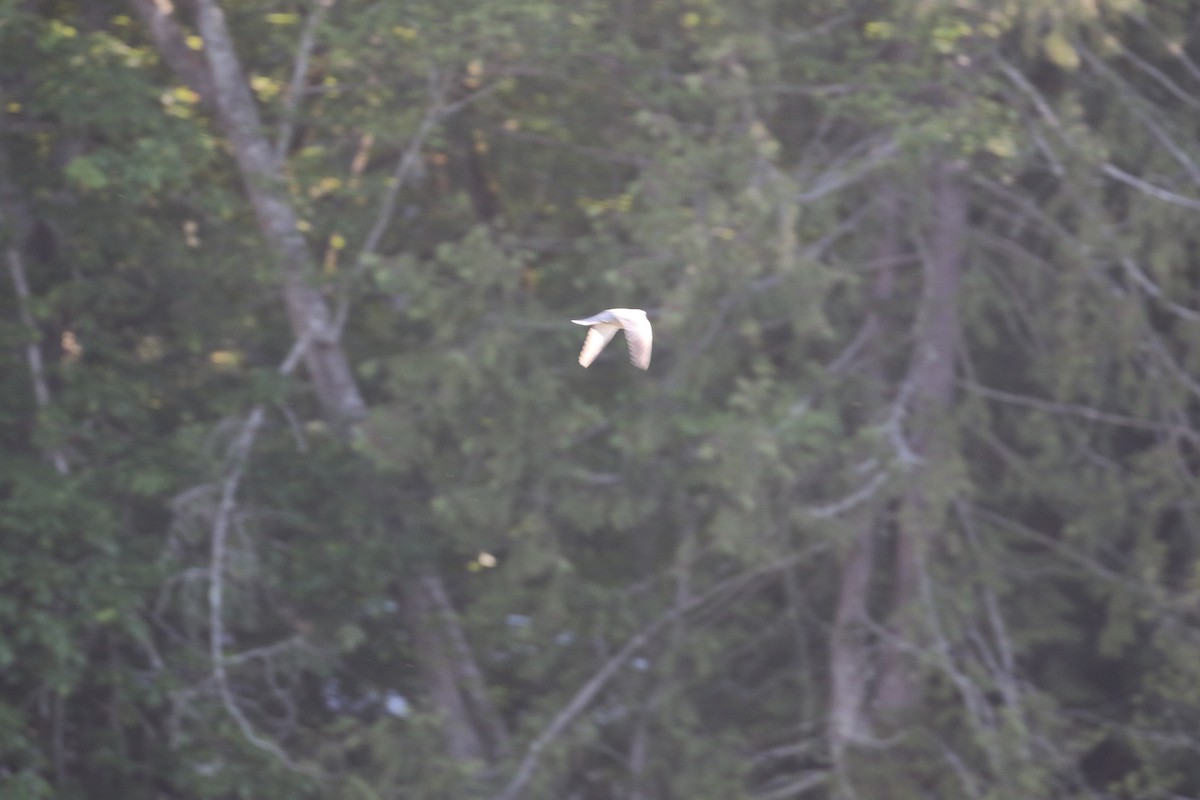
(303,495)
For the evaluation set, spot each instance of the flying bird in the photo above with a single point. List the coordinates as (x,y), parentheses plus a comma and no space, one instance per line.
(603,327)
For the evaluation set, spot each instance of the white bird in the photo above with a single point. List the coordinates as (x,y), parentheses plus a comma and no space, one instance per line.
(603,327)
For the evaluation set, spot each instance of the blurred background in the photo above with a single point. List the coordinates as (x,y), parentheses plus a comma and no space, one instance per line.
(303,494)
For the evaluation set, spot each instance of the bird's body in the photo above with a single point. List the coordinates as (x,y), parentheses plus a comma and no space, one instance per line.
(603,327)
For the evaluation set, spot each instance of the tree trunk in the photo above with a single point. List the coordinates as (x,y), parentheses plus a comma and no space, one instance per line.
(851,646)
(930,385)
(438,670)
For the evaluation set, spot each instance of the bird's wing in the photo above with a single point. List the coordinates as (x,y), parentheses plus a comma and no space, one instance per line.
(639,336)
(603,316)
(598,335)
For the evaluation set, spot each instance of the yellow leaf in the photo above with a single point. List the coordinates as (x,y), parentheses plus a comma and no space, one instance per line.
(195,42)
(186,95)
(690,20)
(225,358)
(337,241)
(1001,145)
(265,87)
(879,29)
(14,107)
(405,32)
(1060,51)
(62,29)
(283,19)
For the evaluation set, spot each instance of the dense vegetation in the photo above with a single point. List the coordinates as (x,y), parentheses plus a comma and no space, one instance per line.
(303,494)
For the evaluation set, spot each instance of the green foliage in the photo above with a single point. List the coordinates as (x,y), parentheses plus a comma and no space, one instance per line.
(760,176)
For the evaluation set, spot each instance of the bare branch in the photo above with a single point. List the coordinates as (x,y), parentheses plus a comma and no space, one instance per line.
(855,498)
(291,105)
(239,453)
(598,153)
(406,166)
(1148,188)
(1178,52)
(1083,412)
(836,179)
(1039,102)
(592,688)
(1160,77)
(14,217)
(795,788)
(216,585)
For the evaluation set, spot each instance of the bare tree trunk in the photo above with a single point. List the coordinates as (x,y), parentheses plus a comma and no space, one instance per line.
(851,646)
(930,385)
(487,722)
(440,675)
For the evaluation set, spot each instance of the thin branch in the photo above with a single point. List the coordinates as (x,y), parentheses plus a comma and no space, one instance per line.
(589,151)
(1148,188)
(836,179)
(1083,412)
(1174,49)
(1154,290)
(33,351)
(1039,102)
(13,216)
(589,690)
(1159,77)
(239,453)
(795,788)
(855,498)
(291,105)
(1147,119)
(406,166)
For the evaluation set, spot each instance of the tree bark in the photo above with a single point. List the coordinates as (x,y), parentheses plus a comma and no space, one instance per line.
(852,646)
(439,672)
(931,381)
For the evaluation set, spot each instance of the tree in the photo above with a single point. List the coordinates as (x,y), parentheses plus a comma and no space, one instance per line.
(307,497)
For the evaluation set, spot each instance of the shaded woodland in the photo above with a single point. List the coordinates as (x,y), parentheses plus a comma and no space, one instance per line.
(303,495)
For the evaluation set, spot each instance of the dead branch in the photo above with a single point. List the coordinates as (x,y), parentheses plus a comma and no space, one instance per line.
(291,104)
